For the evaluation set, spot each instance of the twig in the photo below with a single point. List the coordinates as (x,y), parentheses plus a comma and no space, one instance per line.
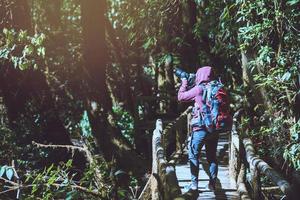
(8,181)
(9,190)
(270,188)
(69,147)
(83,189)
(84,150)
(291,25)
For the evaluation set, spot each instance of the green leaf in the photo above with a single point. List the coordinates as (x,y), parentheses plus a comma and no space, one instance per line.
(35,66)
(286,76)
(69,163)
(70,195)
(2,170)
(34,189)
(64,183)
(41,51)
(28,50)
(52,179)
(28,178)
(9,173)
(22,36)
(24,65)
(15,61)
(5,31)
(151,41)
(4,53)
(50,168)
(293,2)
(121,193)
(85,125)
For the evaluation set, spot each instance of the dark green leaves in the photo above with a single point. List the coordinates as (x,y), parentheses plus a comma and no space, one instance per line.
(292,153)
(124,122)
(150,42)
(85,125)
(22,50)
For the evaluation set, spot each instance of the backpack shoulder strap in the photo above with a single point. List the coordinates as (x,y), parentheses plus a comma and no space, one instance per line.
(216,86)
(204,94)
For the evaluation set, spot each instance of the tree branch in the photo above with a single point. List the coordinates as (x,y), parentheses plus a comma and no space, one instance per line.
(8,181)
(19,186)
(84,149)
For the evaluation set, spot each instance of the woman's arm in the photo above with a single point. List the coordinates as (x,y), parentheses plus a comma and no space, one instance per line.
(184,95)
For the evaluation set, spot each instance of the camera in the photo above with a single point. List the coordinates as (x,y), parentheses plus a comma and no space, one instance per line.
(190,77)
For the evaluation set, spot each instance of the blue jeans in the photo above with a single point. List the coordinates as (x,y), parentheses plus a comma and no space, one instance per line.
(210,140)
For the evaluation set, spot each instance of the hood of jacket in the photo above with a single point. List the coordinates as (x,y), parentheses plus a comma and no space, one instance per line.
(204,74)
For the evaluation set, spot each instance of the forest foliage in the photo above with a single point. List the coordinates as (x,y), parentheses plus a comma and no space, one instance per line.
(75,71)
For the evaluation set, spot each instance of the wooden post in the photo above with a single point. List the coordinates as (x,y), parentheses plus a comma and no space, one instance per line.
(233,164)
(156,142)
(180,136)
(255,182)
(234,154)
(178,133)
(241,187)
(172,190)
(234,149)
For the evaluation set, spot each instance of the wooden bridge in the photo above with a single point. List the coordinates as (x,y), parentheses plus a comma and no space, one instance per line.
(240,169)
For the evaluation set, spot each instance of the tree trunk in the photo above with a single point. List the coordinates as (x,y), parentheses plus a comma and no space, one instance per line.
(98,101)
(190,54)
(53,13)
(123,94)
(259,94)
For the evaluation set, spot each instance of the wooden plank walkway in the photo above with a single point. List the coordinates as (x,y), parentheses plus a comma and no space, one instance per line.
(225,189)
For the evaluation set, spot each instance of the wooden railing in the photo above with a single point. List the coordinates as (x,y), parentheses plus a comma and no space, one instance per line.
(163,183)
(246,168)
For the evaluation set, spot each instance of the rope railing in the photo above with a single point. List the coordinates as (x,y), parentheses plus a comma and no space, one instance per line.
(243,157)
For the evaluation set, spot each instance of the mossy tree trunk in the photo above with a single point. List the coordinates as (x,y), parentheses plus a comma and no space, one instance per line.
(98,101)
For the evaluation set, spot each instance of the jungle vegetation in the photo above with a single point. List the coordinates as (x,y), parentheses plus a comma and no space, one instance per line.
(73,73)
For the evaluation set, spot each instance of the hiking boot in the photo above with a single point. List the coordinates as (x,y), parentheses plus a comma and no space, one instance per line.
(191,186)
(211,185)
(191,192)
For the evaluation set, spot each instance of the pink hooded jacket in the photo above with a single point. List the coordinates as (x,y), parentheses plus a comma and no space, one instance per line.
(204,74)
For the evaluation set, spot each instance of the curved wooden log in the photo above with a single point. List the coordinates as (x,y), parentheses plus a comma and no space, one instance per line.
(163,182)
(234,148)
(241,187)
(264,168)
(167,132)
(157,152)
(146,192)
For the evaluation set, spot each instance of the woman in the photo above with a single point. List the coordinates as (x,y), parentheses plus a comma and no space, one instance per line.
(200,136)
